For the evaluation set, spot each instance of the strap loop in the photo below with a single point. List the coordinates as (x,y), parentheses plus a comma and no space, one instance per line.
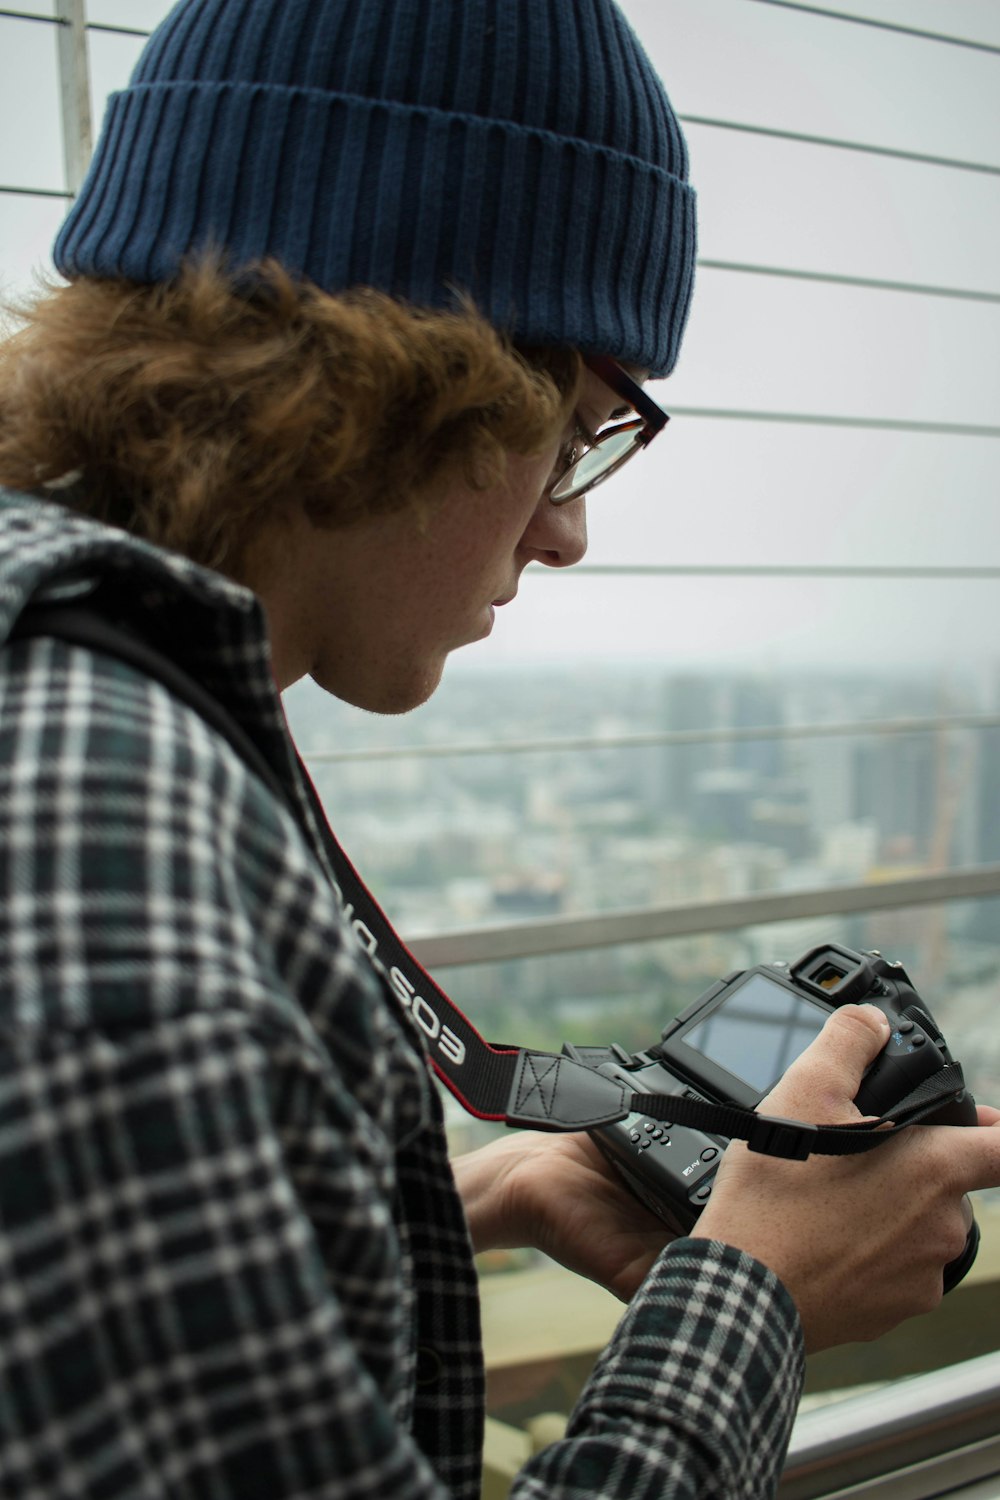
(554,1093)
(792,1140)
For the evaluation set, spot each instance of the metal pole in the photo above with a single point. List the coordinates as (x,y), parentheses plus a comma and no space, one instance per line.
(532,939)
(74,82)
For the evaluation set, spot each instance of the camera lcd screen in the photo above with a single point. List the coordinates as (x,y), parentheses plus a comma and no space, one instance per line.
(757,1032)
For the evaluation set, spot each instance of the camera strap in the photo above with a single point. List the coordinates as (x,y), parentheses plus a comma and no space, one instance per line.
(536,1090)
(521,1087)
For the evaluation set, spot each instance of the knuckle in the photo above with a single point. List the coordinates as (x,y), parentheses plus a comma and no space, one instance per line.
(924,1294)
(925,1298)
(859,1020)
(933,1294)
(955,1240)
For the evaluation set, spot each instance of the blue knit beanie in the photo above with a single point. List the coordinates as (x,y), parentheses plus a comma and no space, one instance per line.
(521,152)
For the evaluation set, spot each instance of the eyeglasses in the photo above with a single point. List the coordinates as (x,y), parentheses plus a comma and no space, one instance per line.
(616,443)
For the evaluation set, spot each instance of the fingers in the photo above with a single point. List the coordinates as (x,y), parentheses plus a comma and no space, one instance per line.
(970,1154)
(821,1084)
(859,1242)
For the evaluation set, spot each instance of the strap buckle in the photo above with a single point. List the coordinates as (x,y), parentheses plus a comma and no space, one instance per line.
(791,1140)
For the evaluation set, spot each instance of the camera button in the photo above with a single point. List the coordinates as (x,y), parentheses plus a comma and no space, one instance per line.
(904,1024)
(702,1194)
(709,1153)
(649,1124)
(645,1144)
(657,1134)
(918,1040)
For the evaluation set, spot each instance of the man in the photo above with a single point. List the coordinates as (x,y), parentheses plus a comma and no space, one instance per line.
(356,287)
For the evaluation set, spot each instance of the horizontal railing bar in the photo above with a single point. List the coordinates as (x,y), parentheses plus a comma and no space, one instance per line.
(833,278)
(117,30)
(32,192)
(574,934)
(834,15)
(822,419)
(951,1414)
(927,36)
(652,739)
(31,15)
(965,1471)
(894,152)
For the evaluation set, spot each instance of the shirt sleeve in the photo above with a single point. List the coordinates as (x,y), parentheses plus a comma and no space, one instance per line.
(695,1396)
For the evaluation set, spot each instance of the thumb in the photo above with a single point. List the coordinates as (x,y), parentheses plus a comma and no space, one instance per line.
(821,1084)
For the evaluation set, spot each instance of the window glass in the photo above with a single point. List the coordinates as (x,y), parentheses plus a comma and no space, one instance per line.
(137,14)
(27,228)
(112,58)
(681,783)
(30,134)
(978,20)
(789,69)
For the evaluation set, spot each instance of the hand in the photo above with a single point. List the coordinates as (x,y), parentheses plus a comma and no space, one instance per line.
(558,1194)
(860,1242)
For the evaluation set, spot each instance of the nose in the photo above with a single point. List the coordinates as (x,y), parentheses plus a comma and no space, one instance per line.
(556,535)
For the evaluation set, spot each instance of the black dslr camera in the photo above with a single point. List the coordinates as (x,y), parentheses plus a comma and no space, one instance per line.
(734,1044)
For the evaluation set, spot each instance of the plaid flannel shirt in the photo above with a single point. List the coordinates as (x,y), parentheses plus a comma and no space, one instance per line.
(233,1263)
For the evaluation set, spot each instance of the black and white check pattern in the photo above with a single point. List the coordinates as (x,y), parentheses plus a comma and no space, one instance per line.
(233,1265)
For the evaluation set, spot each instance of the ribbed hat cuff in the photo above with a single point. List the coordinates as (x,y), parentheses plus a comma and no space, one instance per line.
(417,202)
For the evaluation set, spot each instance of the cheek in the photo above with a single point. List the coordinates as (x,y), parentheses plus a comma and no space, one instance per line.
(533,474)
(477,532)
(528,479)
(497,519)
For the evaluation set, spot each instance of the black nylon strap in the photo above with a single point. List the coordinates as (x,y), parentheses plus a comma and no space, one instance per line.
(537,1090)
(793,1139)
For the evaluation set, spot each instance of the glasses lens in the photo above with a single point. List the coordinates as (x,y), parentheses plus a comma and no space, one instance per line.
(610,452)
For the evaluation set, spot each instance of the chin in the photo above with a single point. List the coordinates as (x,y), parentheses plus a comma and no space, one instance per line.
(398,691)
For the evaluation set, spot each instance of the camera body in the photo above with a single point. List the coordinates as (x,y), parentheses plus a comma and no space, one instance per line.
(733,1044)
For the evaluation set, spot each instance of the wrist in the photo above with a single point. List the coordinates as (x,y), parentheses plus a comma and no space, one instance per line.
(486,1182)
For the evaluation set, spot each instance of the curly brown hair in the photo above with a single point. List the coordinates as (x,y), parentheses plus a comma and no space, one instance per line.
(191,413)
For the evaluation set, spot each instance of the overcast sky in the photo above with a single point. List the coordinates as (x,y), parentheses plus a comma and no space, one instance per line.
(732,491)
